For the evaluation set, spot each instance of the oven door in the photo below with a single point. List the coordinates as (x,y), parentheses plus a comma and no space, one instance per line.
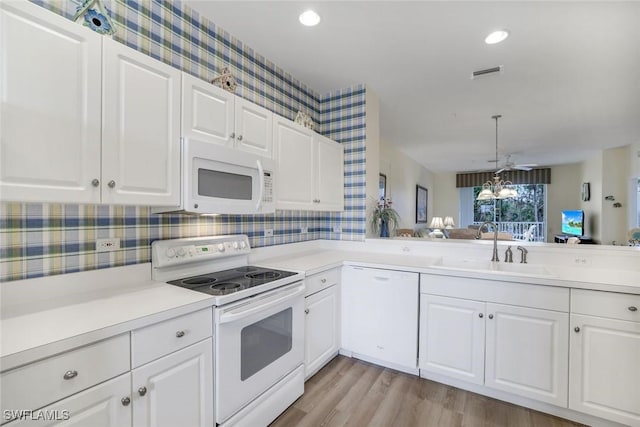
(219,180)
(258,341)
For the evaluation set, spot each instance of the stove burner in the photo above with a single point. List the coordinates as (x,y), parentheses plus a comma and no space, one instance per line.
(199,281)
(245,269)
(265,275)
(226,286)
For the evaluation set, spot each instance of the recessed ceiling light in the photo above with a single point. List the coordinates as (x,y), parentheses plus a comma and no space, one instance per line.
(496,37)
(309,18)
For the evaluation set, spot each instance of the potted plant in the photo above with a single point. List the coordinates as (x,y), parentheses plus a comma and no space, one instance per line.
(384,217)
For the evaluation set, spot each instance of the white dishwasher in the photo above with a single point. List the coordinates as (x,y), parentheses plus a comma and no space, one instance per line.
(380,316)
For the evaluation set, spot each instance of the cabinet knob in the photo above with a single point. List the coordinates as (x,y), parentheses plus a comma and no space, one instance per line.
(95,182)
(323,280)
(233,135)
(633,308)
(306,310)
(491,316)
(142,391)
(125,401)
(239,137)
(70,374)
(111,184)
(480,315)
(577,329)
(179,334)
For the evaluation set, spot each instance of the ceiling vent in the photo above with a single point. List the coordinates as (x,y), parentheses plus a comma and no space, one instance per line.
(487,72)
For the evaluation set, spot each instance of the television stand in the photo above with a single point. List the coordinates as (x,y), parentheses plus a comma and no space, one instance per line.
(562,238)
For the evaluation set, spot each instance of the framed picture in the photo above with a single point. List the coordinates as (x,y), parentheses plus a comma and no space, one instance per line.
(422,195)
(382,186)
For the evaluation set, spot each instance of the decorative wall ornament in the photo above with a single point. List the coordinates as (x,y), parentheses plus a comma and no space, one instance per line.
(94,15)
(226,80)
(304,119)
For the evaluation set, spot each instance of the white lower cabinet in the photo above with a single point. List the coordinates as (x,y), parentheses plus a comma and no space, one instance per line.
(322,328)
(507,347)
(175,389)
(104,405)
(380,316)
(604,377)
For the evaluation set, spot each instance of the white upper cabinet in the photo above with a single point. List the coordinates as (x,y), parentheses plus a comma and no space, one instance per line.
(207,112)
(310,166)
(295,154)
(50,80)
(141,128)
(211,114)
(95,122)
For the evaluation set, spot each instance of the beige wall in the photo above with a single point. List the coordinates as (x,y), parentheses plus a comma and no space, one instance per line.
(615,183)
(563,193)
(446,200)
(372,129)
(591,172)
(403,174)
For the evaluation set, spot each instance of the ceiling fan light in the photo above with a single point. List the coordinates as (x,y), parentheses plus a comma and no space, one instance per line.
(309,18)
(496,37)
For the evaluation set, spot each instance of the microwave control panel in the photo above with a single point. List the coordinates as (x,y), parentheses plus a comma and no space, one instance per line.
(267,195)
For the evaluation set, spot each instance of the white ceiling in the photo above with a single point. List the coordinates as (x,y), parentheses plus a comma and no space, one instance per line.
(571,84)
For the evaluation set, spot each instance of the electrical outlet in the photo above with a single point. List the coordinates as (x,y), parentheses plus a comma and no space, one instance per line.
(268,232)
(304,230)
(581,261)
(337,229)
(107,245)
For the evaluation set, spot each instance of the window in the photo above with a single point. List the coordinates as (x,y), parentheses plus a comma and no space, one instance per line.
(523,216)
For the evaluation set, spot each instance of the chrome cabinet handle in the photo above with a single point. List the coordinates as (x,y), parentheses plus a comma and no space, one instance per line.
(142,391)
(633,308)
(179,334)
(233,135)
(111,184)
(239,137)
(577,329)
(70,375)
(480,315)
(125,401)
(95,182)
(491,316)
(306,311)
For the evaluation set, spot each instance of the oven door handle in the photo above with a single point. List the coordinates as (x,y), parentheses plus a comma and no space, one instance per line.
(254,307)
(261,194)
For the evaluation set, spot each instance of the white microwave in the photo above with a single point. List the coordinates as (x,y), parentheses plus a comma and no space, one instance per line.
(220,180)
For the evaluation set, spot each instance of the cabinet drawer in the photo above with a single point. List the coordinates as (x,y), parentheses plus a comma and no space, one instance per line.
(155,341)
(320,281)
(40,383)
(606,304)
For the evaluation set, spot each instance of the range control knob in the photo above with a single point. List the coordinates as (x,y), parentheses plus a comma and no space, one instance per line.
(235,245)
(170,253)
(221,247)
(243,245)
(181,252)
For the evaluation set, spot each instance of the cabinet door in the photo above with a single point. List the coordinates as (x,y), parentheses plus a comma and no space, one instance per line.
(294,153)
(380,315)
(321,329)
(207,112)
(605,368)
(50,78)
(329,172)
(526,352)
(176,390)
(99,406)
(452,332)
(254,128)
(141,128)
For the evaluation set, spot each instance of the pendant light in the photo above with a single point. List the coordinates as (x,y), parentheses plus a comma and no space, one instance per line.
(497,189)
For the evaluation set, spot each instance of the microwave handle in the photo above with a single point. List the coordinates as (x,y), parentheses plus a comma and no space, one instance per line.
(241,312)
(261,173)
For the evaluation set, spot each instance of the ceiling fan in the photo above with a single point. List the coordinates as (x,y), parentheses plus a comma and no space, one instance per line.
(511,165)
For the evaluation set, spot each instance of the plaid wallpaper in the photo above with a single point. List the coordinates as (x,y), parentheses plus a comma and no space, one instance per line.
(45,239)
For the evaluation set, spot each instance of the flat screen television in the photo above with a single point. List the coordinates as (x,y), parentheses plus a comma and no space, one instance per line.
(573,223)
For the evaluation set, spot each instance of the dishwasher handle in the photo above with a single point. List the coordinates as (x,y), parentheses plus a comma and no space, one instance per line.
(245,310)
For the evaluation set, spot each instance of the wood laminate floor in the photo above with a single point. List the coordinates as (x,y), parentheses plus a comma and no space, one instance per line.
(350,392)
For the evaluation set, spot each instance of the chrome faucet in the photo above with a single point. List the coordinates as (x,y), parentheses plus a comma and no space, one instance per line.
(508,255)
(495,238)
(523,254)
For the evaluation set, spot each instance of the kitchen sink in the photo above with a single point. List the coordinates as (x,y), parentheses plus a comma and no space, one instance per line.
(494,267)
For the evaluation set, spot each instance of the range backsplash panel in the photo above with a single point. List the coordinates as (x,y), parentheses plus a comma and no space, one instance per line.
(46,239)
